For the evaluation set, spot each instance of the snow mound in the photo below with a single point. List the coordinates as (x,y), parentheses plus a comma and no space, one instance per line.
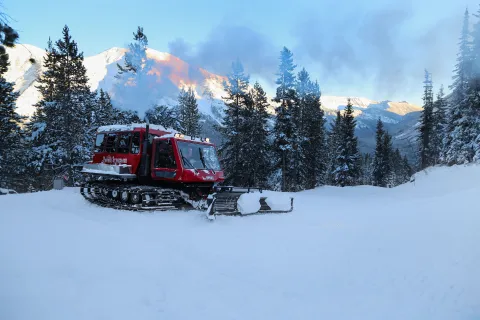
(278,200)
(249,202)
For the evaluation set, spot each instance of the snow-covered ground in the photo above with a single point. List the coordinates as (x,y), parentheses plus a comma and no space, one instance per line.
(412,252)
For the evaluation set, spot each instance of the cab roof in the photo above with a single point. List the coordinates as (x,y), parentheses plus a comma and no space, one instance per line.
(159,130)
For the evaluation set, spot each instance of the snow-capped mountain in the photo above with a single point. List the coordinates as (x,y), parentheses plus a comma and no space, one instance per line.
(169,73)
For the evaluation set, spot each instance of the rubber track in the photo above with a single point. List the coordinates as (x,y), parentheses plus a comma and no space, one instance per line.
(98,198)
(223,205)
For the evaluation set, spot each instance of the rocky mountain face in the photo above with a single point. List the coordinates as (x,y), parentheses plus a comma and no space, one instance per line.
(168,74)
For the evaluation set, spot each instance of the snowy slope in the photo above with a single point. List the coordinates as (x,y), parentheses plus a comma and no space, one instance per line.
(25,66)
(409,252)
(168,74)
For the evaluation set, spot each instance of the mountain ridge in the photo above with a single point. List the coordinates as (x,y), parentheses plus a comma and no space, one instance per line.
(170,73)
(97,70)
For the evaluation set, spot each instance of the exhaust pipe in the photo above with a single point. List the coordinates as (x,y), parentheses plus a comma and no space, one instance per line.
(145,160)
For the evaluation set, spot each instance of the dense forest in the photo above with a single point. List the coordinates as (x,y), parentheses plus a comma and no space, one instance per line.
(291,150)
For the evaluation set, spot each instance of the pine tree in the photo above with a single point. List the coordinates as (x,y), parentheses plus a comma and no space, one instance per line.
(367,169)
(463,66)
(399,170)
(389,159)
(407,170)
(136,57)
(333,144)
(474,58)
(311,132)
(104,111)
(473,96)
(8,37)
(471,124)
(188,112)
(132,88)
(380,163)
(11,144)
(347,172)
(426,149)
(439,126)
(254,143)
(164,116)
(42,144)
(383,174)
(61,127)
(284,131)
(453,146)
(231,129)
(121,116)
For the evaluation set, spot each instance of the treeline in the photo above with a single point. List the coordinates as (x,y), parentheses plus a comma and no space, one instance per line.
(291,150)
(449,133)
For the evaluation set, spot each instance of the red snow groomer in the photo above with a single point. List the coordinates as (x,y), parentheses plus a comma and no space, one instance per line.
(148,167)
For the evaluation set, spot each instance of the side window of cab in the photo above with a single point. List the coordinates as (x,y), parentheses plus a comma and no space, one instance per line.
(135,148)
(164,157)
(99,143)
(111,142)
(124,142)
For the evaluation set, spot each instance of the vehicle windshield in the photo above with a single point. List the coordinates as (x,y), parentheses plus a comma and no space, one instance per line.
(198,156)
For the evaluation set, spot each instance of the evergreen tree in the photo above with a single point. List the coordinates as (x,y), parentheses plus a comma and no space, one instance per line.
(471,124)
(188,111)
(439,126)
(389,159)
(231,129)
(311,157)
(347,172)
(367,169)
(132,88)
(473,96)
(426,128)
(41,143)
(474,58)
(8,37)
(454,148)
(164,116)
(334,140)
(284,131)
(463,66)
(381,165)
(407,170)
(399,170)
(60,128)
(104,111)
(11,144)
(254,144)
(121,116)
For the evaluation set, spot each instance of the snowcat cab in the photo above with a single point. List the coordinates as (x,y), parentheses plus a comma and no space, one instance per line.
(148,167)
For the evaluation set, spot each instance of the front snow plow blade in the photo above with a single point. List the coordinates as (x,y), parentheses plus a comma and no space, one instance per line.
(235,201)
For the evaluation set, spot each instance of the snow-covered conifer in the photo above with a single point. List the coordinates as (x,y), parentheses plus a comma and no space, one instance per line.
(60,131)
(237,97)
(347,171)
(189,115)
(426,149)
(284,131)
(312,155)
(132,90)
(254,143)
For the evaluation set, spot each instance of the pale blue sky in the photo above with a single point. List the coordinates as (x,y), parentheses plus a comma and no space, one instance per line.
(372,48)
